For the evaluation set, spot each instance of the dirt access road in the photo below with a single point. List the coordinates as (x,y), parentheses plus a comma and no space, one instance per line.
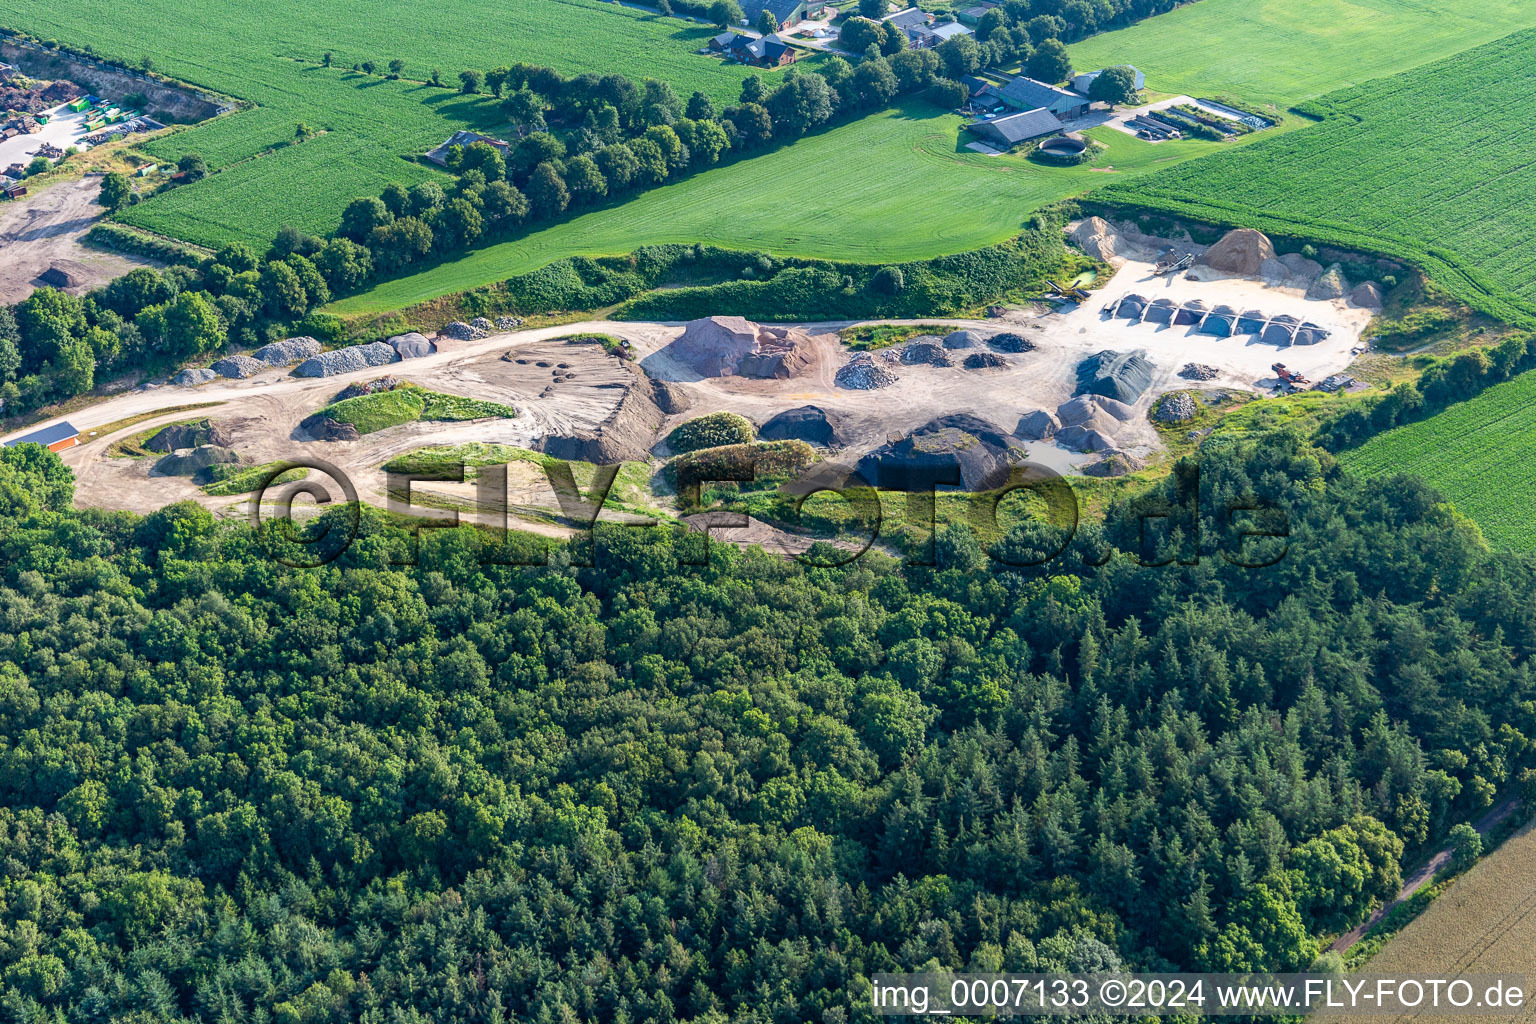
(1421,877)
(45,229)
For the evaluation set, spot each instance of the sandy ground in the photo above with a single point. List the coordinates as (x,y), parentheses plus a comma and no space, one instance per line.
(45,228)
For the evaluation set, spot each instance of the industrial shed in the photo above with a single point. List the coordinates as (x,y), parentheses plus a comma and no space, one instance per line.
(1007,132)
(55,438)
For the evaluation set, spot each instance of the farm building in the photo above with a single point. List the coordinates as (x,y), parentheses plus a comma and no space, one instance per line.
(1083,82)
(1027,94)
(981,95)
(785,12)
(724,42)
(932,35)
(1007,132)
(768,52)
(466,139)
(55,438)
(909,21)
(972,15)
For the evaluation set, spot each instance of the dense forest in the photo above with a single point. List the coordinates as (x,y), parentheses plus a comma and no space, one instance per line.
(618,788)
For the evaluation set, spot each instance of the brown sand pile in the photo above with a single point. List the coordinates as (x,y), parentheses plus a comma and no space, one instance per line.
(1239,252)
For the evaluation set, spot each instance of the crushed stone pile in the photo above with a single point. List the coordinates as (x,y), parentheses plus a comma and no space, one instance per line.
(862,373)
(1084,439)
(1302,269)
(190,378)
(188,435)
(481,323)
(1130,307)
(1037,425)
(808,423)
(323,428)
(984,361)
(1159,311)
(411,346)
(1123,376)
(192,461)
(1177,407)
(1242,251)
(927,353)
(1085,407)
(288,351)
(1367,295)
(1010,342)
(238,367)
(962,339)
(961,449)
(1199,371)
(1329,286)
(508,323)
(369,387)
(346,360)
(461,331)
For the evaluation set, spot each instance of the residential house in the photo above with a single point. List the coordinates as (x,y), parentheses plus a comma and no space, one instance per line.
(466,139)
(1006,132)
(1027,94)
(1083,82)
(981,95)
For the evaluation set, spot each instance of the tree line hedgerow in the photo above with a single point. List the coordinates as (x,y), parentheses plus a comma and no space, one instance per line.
(642,791)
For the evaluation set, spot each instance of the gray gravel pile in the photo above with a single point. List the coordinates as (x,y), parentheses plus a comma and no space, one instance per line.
(1010,342)
(461,331)
(1176,408)
(862,373)
(1199,371)
(508,323)
(346,360)
(482,324)
(962,339)
(984,361)
(238,367)
(192,378)
(288,351)
(928,353)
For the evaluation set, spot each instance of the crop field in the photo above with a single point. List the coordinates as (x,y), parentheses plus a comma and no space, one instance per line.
(914,195)
(269,54)
(1485,923)
(1480,453)
(1432,166)
(1285,51)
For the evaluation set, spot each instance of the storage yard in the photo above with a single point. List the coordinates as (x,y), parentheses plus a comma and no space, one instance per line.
(1070,388)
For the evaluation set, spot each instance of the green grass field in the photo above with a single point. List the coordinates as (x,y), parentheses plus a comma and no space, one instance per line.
(911,194)
(1432,166)
(409,404)
(268,53)
(1481,453)
(1285,51)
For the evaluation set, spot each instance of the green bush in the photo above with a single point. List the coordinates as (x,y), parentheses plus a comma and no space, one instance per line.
(712,431)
